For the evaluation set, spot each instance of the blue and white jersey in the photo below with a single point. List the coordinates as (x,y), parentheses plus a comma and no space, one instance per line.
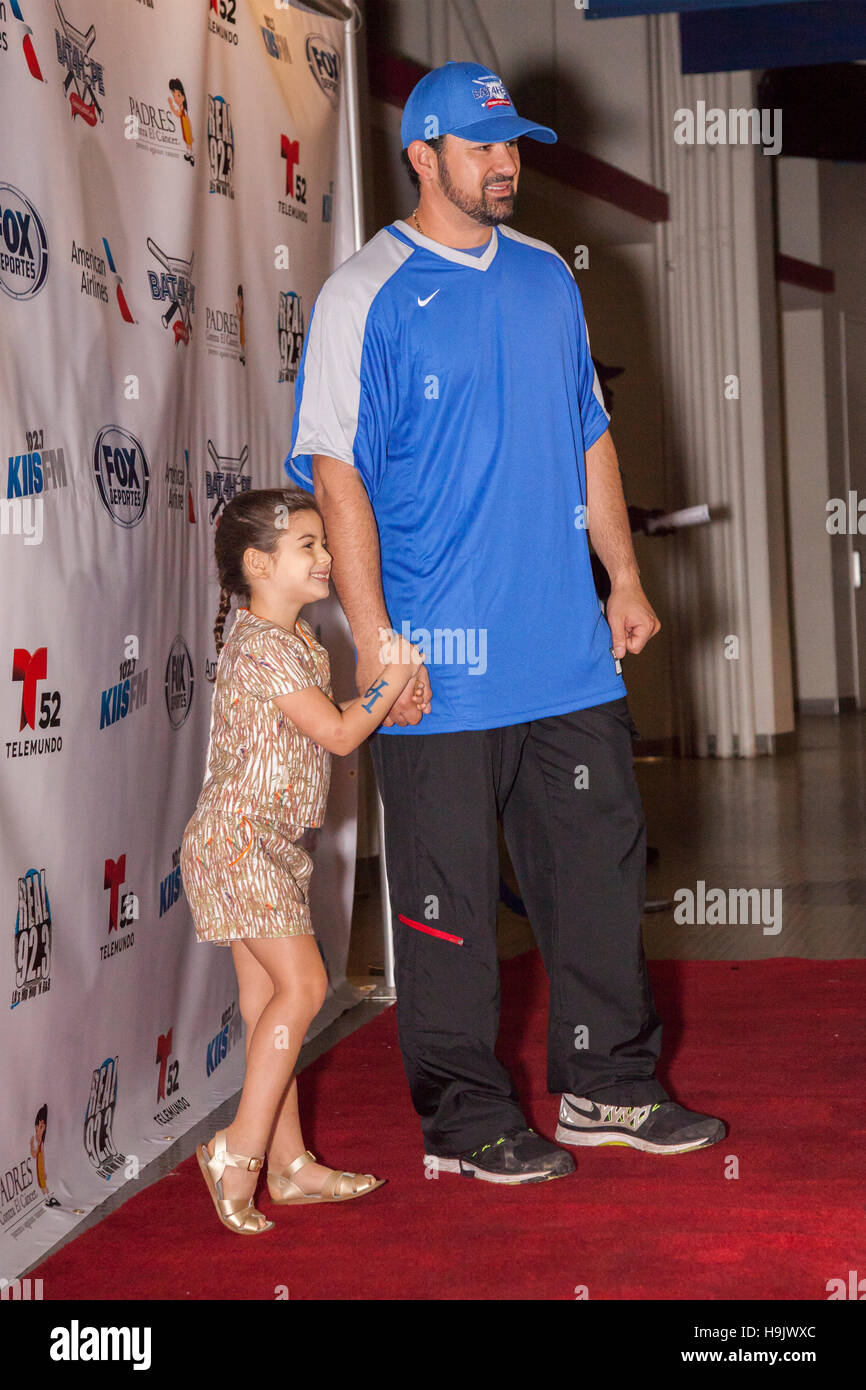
(461,388)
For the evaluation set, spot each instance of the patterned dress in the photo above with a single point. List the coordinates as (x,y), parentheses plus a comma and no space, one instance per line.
(265,782)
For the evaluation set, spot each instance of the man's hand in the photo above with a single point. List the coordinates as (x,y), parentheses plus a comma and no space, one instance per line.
(631,618)
(414,700)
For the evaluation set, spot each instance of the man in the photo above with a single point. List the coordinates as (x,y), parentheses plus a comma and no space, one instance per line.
(450,422)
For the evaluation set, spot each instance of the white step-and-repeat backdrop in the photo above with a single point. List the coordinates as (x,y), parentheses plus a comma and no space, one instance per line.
(174,189)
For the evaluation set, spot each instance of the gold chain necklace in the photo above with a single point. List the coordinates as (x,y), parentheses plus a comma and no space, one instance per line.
(415,220)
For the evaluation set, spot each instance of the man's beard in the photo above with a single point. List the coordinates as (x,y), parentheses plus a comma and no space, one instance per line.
(483,209)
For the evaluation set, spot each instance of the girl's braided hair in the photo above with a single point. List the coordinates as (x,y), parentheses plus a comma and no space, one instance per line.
(254,519)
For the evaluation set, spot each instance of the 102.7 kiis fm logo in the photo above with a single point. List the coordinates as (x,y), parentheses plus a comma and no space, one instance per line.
(229,1033)
(32,938)
(130,691)
(37,470)
(30,668)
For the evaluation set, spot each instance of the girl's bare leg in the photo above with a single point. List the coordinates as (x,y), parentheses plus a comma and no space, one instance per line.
(286,1140)
(298,984)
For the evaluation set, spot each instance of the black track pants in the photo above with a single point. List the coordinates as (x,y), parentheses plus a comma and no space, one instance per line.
(565,790)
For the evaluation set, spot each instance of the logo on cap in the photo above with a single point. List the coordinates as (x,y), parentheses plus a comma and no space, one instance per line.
(490,91)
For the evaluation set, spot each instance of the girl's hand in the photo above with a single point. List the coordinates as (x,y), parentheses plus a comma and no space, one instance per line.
(419,695)
(395,650)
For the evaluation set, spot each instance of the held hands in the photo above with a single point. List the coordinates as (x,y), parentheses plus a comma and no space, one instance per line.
(631,618)
(414,700)
(395,650)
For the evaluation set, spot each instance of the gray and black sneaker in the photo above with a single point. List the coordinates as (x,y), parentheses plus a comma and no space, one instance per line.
(519,1156)
(660,1127)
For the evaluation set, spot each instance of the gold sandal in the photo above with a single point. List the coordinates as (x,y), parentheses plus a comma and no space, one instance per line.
(337,1187)
(235,1213)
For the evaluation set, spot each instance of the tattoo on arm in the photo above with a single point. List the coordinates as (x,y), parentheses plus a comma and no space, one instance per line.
(375,691)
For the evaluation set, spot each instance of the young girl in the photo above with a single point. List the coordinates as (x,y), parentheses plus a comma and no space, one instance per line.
(273,729)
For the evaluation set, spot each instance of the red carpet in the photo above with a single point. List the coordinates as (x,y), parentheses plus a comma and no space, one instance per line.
(774,1047)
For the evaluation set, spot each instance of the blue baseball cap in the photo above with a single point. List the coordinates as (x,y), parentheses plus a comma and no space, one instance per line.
(467,100)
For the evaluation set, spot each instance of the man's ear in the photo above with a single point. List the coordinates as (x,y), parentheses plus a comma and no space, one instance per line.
(423,160)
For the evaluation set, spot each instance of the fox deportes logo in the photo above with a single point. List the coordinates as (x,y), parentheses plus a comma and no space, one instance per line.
(99,1116)
(290,334)
(30,668)
(324,64)
(32,938)
(179,682)
(84,76)
(121,474)
(23,245)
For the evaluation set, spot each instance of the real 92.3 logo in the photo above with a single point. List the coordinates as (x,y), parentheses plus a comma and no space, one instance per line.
(32,932)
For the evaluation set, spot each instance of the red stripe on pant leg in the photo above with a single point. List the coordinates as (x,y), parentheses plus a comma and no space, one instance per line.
(431,931)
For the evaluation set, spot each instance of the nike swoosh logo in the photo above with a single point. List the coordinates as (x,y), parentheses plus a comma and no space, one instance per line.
(593,1114)
(422,302)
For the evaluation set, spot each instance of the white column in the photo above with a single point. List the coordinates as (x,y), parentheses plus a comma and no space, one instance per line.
(718,321)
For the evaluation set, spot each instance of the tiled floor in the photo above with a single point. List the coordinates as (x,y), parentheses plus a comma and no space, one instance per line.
(795,823)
